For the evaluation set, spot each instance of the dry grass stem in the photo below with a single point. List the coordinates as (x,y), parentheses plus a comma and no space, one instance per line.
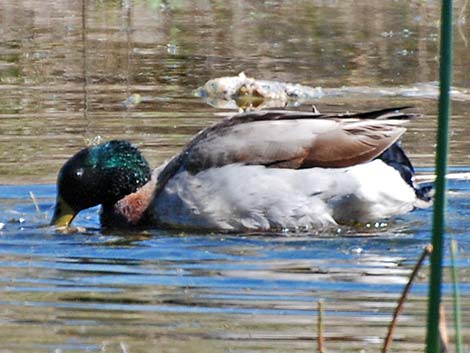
(35,202)
(443,330)
(388,340)
(320,340)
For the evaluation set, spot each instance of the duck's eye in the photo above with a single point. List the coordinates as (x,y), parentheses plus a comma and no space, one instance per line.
(79,172)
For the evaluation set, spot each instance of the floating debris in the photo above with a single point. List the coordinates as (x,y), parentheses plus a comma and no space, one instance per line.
(132,100)
(247,93)
(172,49)
(135,99)
(19,220)
(357,250)
(94,141)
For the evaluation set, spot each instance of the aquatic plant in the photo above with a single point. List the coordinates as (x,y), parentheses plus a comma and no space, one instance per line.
(445,77)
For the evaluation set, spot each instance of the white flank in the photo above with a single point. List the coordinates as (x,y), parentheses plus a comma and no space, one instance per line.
(241,197)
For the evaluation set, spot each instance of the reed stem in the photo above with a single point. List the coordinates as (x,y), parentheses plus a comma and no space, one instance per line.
(445,77)
(457,316)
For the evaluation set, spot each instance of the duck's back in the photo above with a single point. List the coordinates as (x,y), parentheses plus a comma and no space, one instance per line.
(273,170)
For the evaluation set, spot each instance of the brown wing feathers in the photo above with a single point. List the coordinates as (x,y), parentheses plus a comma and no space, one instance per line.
(284,139)
(350,145)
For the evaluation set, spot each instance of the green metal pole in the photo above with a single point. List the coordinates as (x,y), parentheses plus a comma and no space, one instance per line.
(445,77)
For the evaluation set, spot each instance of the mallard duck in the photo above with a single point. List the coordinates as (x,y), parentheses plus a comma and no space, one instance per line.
(263,170)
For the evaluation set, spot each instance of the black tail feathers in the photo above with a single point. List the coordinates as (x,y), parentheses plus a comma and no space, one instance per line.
(395,157)
(425,191)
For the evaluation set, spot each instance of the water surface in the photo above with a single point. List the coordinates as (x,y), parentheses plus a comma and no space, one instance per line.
(67,71)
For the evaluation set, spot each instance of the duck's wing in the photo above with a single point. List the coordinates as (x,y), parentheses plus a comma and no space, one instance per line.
(395,113)
(291,140)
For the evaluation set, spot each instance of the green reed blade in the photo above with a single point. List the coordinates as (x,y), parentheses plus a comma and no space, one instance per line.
(455,285)
(445,77)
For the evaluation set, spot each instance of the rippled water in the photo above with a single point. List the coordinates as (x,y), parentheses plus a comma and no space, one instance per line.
(67,71)
(168,292)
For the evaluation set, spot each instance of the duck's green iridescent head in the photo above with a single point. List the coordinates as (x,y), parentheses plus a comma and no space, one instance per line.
(98,175)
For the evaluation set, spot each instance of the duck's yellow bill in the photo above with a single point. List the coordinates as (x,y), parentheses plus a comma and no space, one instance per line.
(63,214)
